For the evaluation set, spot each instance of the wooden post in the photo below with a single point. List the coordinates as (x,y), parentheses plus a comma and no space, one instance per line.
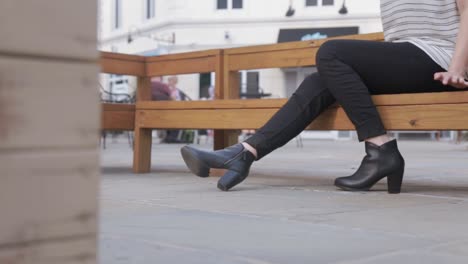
(49,131)
(227,87)
(143,136)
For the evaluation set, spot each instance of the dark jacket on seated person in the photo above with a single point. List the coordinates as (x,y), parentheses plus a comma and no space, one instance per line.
(160,91)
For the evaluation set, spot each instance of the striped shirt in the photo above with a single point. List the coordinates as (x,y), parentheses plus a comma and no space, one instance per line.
(431,25)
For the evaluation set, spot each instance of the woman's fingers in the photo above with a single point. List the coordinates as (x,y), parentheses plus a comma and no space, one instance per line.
(455,79)
(461,84)
(462,81)
(465,83)
(451,79)
(446,79)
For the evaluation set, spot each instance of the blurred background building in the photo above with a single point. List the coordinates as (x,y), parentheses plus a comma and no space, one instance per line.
(157,27)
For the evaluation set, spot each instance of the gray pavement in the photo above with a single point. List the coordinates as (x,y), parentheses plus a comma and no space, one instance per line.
(287,211)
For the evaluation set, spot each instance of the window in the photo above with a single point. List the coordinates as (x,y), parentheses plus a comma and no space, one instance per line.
(311,2)
(230,4)
(323,2)
(150,9)
(253,81)
(249,84)
(222,4)
(237,4)
(117,23)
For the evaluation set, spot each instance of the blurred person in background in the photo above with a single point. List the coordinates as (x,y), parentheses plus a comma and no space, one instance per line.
(161,91)
(175,135)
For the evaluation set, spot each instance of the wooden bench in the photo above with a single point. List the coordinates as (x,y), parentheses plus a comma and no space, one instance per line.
(228,114)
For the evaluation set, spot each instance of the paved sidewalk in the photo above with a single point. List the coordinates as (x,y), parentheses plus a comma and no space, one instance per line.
(287,211)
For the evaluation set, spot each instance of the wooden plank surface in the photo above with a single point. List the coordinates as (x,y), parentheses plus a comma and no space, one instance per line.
(48,104)
(118,120)
(183,63)
(214,104)
(144,92)
(49,130)
(380,100)
(142,150)
(422,98)
(291,54)
(299,44)
(227,87)
(118,116)
(273,59)
(143,138)
(117,107)
(183,56)
(48,194)
(122,56)
(122,64)
(411,117)
(53,28)
(181,66)
(219,75)
(72,250)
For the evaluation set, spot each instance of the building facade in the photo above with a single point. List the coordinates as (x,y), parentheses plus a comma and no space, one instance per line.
(154,27)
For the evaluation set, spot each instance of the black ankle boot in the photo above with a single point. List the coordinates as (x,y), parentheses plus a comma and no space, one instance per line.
(236,159)
(380,162)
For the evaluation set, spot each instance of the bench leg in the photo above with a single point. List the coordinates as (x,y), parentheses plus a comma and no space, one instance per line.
(142,150)
(225,138)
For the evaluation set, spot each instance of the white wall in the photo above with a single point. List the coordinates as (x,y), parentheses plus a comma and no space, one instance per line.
(172,12)
(198,25)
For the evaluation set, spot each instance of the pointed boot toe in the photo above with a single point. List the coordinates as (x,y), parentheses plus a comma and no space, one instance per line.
(348,184)
(194,159)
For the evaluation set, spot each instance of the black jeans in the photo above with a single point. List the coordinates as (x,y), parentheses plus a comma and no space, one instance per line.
(349,72)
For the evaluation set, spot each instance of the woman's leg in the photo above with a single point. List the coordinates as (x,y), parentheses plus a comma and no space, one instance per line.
(352,71)
(309,100)
(349,72)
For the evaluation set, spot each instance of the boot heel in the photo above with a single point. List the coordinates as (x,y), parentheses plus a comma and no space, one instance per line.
(394,181)
(230,179)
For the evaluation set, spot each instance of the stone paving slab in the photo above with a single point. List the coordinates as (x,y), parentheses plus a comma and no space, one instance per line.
(287,211)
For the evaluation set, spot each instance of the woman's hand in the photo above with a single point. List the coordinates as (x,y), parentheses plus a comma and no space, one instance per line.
(457,73)
(456,80)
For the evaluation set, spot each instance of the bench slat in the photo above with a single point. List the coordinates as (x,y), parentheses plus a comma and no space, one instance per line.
(183,63)
(411,117)
(186,66)
(118,117)
(122,56)
(118,107)
(397,117)
(291,54)
(380,100)
(118,120)
(273,59)
(299,44)
(184,55)
(122,64)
